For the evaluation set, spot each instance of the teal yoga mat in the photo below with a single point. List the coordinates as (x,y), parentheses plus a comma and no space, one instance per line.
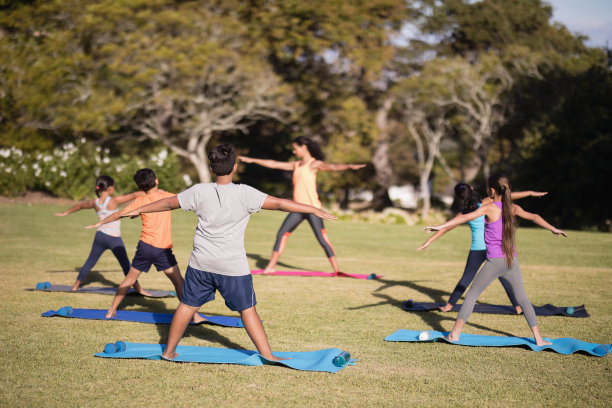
(561,345)
(135,316)
(319,360)
(102,290)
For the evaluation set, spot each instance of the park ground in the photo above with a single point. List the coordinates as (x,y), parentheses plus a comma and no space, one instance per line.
(49,361)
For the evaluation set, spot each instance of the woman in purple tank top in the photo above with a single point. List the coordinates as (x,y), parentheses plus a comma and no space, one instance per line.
(502,262)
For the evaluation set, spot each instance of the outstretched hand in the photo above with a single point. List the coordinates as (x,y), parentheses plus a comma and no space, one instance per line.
(92,226)
(430,229)
(324,215)
(539,193)
(558,232)
(356,166)
(61,214)
(245,159)
(423,246)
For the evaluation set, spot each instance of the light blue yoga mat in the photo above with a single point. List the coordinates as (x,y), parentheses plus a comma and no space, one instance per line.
(135,316)
(562,345)
(320,360)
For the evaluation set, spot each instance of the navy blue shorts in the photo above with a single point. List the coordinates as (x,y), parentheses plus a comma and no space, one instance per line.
(200,286)
(147,255)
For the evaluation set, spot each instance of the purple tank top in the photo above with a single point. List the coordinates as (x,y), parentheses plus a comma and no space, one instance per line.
(493,236)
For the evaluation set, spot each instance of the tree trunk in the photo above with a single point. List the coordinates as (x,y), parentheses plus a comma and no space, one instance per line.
(381,161)
(425,195)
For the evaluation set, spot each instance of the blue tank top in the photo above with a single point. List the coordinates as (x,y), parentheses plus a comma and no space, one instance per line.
(477,226)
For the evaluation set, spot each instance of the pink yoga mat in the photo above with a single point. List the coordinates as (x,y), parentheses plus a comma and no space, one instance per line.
(317,273)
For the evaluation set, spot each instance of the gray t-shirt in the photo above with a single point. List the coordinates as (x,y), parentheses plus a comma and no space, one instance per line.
(223,213)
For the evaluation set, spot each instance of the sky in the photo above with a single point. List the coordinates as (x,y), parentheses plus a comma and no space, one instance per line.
(592,18)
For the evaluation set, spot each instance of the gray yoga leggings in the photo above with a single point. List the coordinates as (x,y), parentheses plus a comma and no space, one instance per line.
(316,223)
(496,268)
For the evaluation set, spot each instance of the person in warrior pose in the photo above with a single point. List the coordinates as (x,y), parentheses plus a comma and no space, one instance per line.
(107,236)
(501,260)
(466,201)
(304,191)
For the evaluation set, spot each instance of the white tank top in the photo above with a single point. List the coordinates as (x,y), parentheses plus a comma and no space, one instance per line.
(112,228)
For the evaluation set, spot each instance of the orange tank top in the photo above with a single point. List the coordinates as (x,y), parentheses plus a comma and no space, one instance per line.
(305,184)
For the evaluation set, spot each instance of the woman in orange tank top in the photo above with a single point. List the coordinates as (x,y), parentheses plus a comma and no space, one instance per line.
(304,191)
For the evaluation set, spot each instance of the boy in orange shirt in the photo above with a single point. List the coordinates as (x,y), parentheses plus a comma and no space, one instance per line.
(155,245)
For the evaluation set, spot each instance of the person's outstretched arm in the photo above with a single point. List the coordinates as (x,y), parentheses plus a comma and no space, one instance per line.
(522,194)
(459,219)
(281,204)
(128,197)
(271,164)
(536,219)
(322,166)
(435,236)
(77,207)
(165,204)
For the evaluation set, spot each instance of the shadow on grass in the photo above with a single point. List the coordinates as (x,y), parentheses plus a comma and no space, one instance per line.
(433,319)
(261,262)
(76,269)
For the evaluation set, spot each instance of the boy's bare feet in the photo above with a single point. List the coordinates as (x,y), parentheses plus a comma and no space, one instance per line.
(170,356)
(110,314)
(76,286)
(447,307)
(143,292)
(198,319)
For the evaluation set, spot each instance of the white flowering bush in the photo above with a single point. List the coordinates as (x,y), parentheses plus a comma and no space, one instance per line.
(71,170)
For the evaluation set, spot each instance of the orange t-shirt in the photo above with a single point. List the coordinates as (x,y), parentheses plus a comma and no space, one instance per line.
(305,184)
(157,226)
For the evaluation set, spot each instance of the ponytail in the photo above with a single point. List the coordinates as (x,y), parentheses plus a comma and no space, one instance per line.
(313,147)
(501,184)
(103,183)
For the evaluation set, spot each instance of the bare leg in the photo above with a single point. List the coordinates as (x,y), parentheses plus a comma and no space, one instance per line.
(122,290)
(453,335)
(518,309)
(538,338)
(183,315)
(77,285)
(271,267)
(334,263)
(174,274)
(255,330)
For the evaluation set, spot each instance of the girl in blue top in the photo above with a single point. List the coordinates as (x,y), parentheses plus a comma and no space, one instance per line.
(466,201)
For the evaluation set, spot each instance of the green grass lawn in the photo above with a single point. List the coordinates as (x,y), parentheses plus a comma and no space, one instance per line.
(50,362)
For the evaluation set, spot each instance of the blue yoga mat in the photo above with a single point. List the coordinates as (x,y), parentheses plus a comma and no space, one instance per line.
(47,287)
(320,360)
(135,316)
(546,310)
(562,345)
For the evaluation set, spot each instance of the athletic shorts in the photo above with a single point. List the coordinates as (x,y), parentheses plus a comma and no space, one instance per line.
(147,255)
(200,287)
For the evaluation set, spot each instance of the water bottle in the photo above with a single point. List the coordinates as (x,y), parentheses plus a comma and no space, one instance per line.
(341,359)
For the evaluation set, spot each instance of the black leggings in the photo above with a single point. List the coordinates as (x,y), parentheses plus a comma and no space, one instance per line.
(291,223)
(474,261)
(101,243)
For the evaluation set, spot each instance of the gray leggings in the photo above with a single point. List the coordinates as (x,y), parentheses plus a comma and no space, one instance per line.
(493,269)
(291,223)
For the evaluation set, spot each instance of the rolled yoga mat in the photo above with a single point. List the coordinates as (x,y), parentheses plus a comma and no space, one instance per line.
(47,287)
(317,273)
(135,316)
(320,360)
(561,345)
(546,310)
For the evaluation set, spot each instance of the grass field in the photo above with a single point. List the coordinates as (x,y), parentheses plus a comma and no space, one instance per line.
(50,362)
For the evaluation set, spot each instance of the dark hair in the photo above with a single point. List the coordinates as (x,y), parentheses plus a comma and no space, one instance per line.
(313,147)
(103,183)
(466,199)
(145,179)
(222,159)
(501,184)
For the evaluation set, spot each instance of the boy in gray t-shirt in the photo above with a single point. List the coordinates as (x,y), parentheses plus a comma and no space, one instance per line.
(218,260)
